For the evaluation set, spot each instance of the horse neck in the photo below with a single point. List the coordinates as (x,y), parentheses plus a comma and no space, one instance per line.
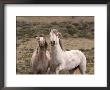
(41,52)
(58,45)
(56,50)
(60,42)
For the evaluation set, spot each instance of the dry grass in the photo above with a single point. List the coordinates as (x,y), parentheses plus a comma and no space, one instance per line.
(78,43)
(50,19)
(26,48)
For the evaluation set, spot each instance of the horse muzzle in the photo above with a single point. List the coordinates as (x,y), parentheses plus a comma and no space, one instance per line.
(52,43)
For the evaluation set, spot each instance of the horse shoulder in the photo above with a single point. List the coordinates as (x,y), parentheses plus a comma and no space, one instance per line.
(34,56)
(48,55)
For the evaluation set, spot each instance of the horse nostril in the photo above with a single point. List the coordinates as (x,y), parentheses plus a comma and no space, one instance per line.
(53,42)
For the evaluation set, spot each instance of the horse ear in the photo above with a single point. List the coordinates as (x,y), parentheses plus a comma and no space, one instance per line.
(49,30)
(37,38)
(59,35)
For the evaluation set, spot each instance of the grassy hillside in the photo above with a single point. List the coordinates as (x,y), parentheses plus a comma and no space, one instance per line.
(50,19)
(68,29)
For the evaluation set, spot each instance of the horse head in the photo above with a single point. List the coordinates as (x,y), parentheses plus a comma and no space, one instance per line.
(54,36)
(42,41)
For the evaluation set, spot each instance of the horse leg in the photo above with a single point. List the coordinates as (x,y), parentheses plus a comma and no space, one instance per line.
(71,71)
(82,68)
(58,69)
(52,69)
(74,70)
(48,71)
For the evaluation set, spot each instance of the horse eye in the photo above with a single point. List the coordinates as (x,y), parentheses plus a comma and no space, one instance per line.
(54,42)
(51,42)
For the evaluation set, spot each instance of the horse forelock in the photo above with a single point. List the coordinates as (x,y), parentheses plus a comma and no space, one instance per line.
(42,40)
(54,31)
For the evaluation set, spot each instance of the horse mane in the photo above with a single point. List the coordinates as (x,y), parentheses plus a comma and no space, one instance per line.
(60,42)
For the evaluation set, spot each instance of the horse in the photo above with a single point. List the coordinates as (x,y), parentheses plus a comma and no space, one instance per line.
(41,57)
(65,60)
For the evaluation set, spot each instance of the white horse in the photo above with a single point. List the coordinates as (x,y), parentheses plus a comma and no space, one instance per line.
(65,60)
(41,57)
